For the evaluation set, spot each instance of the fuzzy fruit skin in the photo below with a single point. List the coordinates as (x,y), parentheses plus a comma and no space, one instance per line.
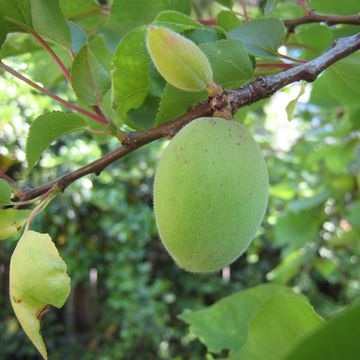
(210,194)
(179,61)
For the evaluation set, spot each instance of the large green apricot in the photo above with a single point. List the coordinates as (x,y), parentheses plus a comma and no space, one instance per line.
(210,194)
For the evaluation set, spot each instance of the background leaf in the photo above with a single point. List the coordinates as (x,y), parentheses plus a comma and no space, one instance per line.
(5,192)
(176,21)
(260,37)
(335,7)
(269,6)
(37,278)
(227,3)
(228,20)
(45,129)
(89,79)
(313,38)
(126,15)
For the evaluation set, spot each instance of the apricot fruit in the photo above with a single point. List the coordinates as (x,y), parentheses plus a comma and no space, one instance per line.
(210,194)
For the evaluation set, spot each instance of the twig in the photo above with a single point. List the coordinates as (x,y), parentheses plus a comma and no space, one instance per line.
(285,57)
(261,88)
(89,114)
(318,18)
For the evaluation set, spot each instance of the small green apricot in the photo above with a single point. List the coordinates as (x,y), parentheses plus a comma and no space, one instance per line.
(210,194)
(179,61)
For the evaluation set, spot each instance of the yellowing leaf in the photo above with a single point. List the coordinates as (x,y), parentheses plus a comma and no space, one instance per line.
(11,221)
(179,60)
(290,108)
(37,278)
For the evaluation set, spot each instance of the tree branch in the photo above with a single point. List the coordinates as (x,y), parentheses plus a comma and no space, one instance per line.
(230,100)
(318,18)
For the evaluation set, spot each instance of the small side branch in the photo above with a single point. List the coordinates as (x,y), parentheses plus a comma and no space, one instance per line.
(312,17)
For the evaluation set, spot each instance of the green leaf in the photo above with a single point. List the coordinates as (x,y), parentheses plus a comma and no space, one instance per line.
(180,62)
(309,202)
(126,15)
(321,93)
(337,339)
(102,53)
(288,268)
(201,36)
(261,37)
(5,192)
(49,22)
(37,278)
(354,214)
(175,102)
(313,38)
(71,8)
(228,20)
(290,107)
(270,6)
(78,36)
(233,322)
(45,129)
(346,75)
(347,7)
(277,326)
(89,78)
(130,74)
(3,31)
(176,21)
(297,229)
(17,14)
(230,62)
(227,3)
(11,221)
(18,44)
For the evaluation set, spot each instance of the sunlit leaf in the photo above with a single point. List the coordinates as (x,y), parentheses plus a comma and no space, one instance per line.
(12,221)
(238,321)
(47,128)
(37,278)
(290,107)
(337,339)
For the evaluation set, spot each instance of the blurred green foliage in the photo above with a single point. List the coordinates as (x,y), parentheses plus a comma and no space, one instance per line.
(127,292)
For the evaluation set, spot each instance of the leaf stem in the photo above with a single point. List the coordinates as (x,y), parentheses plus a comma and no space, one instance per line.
(285,57)
(89,114)
(47,198)
(245,13)
(44,44)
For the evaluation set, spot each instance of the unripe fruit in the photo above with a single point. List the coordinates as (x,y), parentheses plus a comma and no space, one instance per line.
(210,194)
(179,61)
